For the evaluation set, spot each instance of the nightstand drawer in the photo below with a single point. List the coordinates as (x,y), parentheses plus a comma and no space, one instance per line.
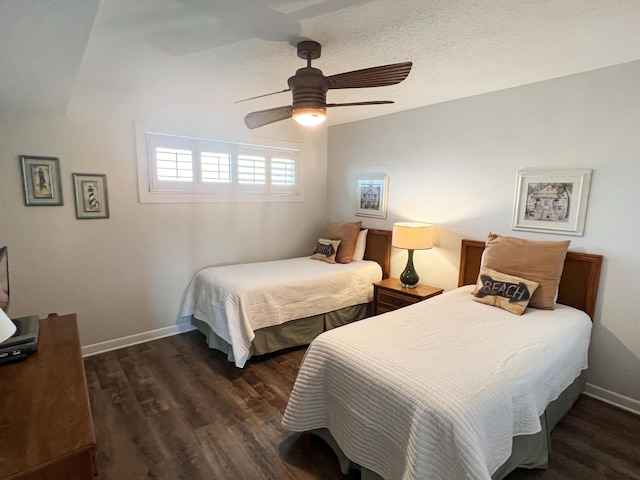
(389,294)
(393,301)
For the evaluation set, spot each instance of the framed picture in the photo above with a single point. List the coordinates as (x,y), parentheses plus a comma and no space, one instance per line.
(552,201)
(41,180)
(371,196)
(91,195)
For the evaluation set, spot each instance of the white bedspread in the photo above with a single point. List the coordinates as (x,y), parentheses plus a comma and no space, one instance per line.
(235,300)
(438,389)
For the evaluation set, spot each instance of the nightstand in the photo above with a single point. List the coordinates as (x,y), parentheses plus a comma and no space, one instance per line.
(389,294)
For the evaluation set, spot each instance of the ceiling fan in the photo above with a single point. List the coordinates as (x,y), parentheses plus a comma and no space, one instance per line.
(309,89)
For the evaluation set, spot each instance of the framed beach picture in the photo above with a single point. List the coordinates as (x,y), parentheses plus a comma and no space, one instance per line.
(371,195)
(41,180)
(552,201)
(91,195)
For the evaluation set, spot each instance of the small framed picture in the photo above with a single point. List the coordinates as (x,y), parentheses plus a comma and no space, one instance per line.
(552,201)
(371,195)
(41,180)
(91,195)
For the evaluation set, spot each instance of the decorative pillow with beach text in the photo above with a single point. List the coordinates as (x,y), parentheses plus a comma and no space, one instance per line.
(504,291)
(326,250)
(538,261)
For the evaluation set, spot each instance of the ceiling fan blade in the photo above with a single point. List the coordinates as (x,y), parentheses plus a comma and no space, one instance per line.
(265,117)
(371,77)
(260,96)
(355,104)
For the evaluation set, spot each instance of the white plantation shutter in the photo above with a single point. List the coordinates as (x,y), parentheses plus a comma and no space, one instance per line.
(251,169)
(194,169)
(174,165)
(215,167)
(283,171)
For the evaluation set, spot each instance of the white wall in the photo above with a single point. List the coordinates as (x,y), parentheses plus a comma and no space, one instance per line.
(455,165)
(452,164)
(126,275)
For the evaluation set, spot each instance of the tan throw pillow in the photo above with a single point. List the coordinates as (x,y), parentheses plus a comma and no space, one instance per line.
(347,233)
(537,261)
(326,250)
(508,292)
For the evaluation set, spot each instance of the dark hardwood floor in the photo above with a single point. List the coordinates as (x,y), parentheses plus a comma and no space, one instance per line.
(174,409)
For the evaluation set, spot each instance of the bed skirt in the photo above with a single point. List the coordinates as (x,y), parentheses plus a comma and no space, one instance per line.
(528,451)
(294,333)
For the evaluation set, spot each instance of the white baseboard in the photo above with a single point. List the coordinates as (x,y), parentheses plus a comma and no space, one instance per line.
(109,345)
(612,398)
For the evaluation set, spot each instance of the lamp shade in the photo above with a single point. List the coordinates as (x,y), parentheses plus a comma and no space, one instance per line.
(412,235)
(7,327)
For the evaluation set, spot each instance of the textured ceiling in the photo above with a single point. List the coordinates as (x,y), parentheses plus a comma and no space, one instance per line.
(213,52)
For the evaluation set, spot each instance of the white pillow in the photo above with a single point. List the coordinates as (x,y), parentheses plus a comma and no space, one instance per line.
(361,245)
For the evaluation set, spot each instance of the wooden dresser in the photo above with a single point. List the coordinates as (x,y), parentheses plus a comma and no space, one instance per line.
(46,430)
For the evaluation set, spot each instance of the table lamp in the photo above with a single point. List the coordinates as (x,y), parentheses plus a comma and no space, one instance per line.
(411,236)
(7,327)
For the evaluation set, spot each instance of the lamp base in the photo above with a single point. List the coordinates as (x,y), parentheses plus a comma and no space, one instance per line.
(409,278)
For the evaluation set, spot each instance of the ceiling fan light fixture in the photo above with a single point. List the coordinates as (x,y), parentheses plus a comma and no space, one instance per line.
(310,117)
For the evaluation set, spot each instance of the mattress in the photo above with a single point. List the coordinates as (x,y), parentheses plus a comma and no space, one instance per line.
(236,300)
(438,389)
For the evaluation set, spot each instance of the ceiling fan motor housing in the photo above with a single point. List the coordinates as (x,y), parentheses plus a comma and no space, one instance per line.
(309,88)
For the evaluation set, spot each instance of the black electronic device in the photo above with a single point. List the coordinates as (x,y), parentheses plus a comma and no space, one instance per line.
(23,342)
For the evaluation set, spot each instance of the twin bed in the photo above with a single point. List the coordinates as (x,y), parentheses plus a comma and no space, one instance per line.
(258,308)
(446,388)
(449,388)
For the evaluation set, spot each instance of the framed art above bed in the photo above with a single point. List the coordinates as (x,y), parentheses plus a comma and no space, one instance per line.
(552,201)
(371,195)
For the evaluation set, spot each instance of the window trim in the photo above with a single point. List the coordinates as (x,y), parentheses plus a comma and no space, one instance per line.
(204,192)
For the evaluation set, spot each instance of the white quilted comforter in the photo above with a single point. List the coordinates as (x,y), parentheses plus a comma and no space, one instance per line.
(438,389)
(235,300)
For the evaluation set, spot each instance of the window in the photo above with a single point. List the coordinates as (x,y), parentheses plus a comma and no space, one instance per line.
(251,169)
(174,165)
(216,167)
(182,168)
(283,171)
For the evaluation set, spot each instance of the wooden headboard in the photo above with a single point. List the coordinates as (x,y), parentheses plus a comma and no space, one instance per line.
(379,249)
(578,284)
